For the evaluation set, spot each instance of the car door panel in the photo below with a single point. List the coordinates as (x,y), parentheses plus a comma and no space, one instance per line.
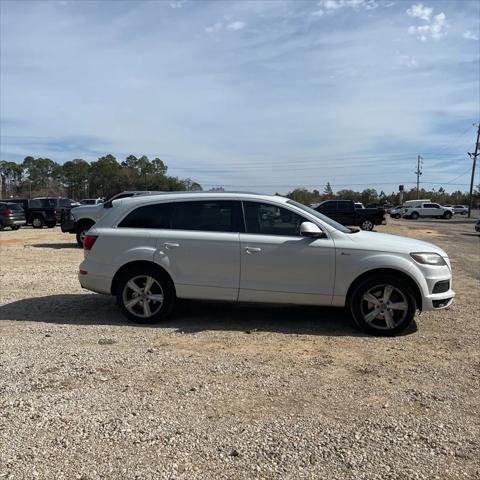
(279,265)
(201,264)
(286,269)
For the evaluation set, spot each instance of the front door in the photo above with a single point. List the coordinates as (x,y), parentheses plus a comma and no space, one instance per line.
(278,264)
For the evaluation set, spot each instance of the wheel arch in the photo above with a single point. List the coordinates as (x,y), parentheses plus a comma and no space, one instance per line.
(137,264)
(387,271)
(84,222)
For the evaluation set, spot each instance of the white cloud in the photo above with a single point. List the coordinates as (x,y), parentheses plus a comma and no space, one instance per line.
(177,3)
(407,61)
(469,35)
(236,26)
(216,27)
(331,5)
(420,11)
(433,27)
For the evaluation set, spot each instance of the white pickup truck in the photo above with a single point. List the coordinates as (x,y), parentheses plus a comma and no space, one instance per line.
(426,210)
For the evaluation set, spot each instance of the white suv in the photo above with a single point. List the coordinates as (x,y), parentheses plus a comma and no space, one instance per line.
(150,250)
(427,210)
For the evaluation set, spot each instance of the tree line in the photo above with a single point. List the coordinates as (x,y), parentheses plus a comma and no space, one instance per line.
(79,179)
(370,195)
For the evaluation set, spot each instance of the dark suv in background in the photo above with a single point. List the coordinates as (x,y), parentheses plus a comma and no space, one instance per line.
(60,204)
(11,215)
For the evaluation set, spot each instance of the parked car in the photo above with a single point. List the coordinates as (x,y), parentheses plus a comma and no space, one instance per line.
(477,226)
(37,213)
(458,209)
(344,212)
(11,215)
(60,204)
(426,210)
(396,212)
(91,201)
(79,220)
(150,250)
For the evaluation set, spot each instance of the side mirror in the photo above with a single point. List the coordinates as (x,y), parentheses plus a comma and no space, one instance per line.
(309,229)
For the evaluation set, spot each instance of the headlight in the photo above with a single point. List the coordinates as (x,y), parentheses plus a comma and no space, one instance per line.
(428,258)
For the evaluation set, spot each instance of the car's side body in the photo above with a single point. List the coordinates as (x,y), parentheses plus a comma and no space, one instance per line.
(257,267)
(426,210)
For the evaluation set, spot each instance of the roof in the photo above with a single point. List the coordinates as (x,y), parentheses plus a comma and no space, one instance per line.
(140,199)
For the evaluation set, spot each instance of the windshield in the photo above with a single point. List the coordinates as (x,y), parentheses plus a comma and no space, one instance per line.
(327,220)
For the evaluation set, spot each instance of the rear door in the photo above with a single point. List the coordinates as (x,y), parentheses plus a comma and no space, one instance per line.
(278,264)
(201,248)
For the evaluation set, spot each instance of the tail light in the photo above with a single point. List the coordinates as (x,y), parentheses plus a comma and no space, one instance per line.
(6,212)
(89,241)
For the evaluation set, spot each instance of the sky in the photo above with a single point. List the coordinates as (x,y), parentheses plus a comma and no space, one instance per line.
(262,95)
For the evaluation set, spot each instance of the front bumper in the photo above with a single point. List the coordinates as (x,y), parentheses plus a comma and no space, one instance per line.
(68,226)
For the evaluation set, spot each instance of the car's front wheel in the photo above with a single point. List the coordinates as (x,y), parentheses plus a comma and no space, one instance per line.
(414,216)
(366,225)
(145,295)
(447,215)
(383,305)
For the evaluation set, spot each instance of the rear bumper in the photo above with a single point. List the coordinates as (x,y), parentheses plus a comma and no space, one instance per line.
(16,222)
(95,277)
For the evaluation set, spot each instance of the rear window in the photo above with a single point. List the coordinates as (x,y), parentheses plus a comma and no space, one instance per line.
(43,203)
(149,216)
(14,206)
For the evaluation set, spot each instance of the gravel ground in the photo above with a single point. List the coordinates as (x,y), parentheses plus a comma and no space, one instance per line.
(224,391)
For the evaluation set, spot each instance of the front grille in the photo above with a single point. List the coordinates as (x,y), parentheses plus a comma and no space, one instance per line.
(441,287)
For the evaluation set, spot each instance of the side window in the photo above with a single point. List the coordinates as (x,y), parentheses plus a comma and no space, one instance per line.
(208,215)
(65,202)
(328,207)
(266,219)
(148,216)
(427,205)
(435,205)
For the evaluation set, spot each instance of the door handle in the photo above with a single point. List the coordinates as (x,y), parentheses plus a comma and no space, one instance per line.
(251,250)
(169,245)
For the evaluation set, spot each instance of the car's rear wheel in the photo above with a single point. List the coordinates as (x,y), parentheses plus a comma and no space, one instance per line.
(414,216)
(366,225)
(447,215)
(14,227)
(145,295)
(38,222)
(82,233)
(397,216)
(383,305)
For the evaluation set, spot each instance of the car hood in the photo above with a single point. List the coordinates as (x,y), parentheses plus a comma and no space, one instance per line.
(392,243)
(90,211)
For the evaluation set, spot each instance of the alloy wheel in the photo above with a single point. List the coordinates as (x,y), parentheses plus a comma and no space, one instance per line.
(143,296)
(384,307)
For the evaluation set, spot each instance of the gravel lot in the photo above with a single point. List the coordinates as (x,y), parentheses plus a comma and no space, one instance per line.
(227,391)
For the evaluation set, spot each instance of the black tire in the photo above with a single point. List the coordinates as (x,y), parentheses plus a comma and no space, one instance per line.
(447,215)
(163,286)
(397,216)
(51,224)
(402,294)
(81,232)
(38,222)
(366,224)
(414,216)
(14,227)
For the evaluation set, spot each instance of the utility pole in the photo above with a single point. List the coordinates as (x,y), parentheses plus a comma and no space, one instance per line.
(474,155)
(418,172)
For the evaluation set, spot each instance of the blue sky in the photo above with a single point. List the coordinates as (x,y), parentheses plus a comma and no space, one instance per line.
(260,95)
